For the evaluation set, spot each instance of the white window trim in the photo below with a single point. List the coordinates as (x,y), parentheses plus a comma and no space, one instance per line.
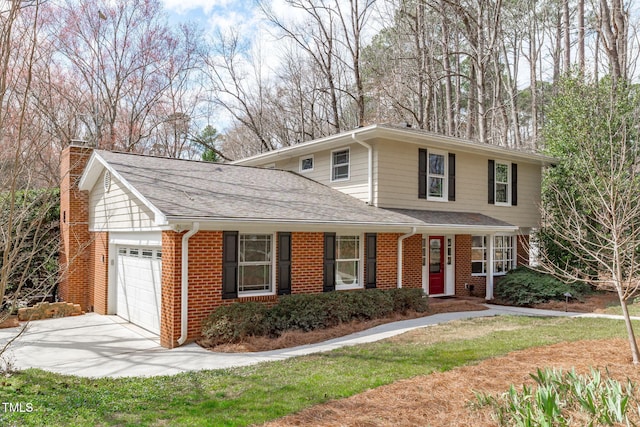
(360,273)
(495,182)
(348,150)
(486,257)
(445,176)
(313,163)
(244,294)
(514,249)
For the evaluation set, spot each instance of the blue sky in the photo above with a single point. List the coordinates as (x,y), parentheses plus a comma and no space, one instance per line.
(213,14)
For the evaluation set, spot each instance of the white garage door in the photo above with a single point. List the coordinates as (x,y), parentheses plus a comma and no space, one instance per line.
(138,283)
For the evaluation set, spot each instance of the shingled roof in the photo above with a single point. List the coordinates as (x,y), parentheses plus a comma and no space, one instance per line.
(183,189)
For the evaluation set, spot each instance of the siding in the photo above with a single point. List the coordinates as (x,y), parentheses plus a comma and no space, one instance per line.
(397,185)
(356,185)
(117,209)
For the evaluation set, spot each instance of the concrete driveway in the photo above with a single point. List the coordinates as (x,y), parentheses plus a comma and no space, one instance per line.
(93,345)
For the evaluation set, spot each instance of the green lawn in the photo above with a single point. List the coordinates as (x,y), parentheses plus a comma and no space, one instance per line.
(259,393)
(634,309)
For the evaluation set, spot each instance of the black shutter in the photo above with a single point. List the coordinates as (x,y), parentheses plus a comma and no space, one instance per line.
(492,182)
(452,177)
(514,184)
(284,263)
(229,264)
(371,242)
(329,278)
(422,173)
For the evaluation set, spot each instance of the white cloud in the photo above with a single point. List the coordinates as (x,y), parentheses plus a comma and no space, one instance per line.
(184,6)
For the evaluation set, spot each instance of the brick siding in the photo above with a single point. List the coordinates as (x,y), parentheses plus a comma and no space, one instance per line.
(463,269)
(412,262)
(99,269)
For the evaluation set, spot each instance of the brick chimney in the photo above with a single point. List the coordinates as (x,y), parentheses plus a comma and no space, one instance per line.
(74,228)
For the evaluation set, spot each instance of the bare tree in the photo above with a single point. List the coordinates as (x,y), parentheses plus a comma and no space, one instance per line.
(591,198)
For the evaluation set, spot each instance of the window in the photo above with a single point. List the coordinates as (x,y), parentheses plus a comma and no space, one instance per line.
(436,176)
(478,255)
(306,164)
(347,261)
(340,165)
(255,263)
(502,254)
(502,183)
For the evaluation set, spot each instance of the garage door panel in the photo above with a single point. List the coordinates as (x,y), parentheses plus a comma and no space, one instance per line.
(139,290)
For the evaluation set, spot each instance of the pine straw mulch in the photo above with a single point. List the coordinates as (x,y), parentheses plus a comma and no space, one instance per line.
(297,338)
(446,398)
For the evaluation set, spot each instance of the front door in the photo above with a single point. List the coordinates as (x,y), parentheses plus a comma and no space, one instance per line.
(436,265)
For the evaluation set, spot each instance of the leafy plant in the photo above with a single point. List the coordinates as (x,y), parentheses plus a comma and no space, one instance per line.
(559,398)
(525,287)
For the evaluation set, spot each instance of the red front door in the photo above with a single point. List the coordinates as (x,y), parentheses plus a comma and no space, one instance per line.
(436,265)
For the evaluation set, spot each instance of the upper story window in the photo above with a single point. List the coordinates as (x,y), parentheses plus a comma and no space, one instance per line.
(436,175)
(306,164)
(340,165)
(503,183)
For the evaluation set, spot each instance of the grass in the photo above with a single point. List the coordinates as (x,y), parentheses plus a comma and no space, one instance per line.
(255,394)
(632,306)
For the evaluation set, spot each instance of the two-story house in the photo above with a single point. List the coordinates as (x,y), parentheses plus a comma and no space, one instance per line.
(162,242)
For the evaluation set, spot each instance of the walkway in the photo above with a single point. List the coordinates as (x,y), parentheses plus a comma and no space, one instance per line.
(106,346)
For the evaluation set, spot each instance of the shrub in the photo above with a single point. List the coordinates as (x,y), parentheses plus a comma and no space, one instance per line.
(307,312)
(525,287)
(232,323)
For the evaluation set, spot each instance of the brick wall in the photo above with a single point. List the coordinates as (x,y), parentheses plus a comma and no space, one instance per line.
(463,268)
(412,262)
(307,262)
(99,268)
(170,301)
(75,253)
(387,260)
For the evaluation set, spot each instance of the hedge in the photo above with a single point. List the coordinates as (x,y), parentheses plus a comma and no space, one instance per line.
(526,287)
(306,312)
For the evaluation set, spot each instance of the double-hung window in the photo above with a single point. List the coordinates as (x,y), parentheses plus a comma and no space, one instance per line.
(502,183)
(478,255)
(340,165)
(255,263)
(436,176)
(347,261)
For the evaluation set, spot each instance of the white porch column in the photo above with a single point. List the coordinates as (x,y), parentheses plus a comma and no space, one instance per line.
(490,267)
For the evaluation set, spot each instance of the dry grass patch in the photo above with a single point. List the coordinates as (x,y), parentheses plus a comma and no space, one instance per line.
(446,398)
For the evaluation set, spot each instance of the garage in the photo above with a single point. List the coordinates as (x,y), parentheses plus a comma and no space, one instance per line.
(139,277)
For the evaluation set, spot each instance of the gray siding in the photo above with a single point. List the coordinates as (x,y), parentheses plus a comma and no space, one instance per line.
(397,184)
(117,209)
(356,185)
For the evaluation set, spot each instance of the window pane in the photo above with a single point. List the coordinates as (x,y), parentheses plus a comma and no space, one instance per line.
(502,173)
(307,163)
(255,248)
(478,254)
(501,193)
(347,247)
(254,278)
(477,241)
(340,172)
(477,267)
(435,187)
(346,272)
(341,157)
(436,164)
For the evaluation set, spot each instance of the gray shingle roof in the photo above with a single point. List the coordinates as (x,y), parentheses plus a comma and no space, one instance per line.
(210,191)
(448,218)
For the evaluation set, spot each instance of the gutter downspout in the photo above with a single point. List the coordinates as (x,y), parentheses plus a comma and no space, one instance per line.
(400,240)
(184,281)
(369,167)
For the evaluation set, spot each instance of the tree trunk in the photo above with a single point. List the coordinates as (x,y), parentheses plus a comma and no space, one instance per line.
(630,334)
(566,36)
(581,57)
